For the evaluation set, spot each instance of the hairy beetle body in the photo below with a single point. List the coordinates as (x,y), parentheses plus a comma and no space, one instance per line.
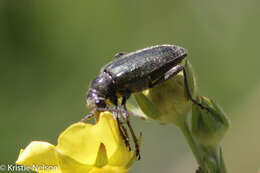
(134,72)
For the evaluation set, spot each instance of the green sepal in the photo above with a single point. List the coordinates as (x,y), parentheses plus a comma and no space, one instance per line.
(209,126)
(147,106)
(102,158)
(191,79)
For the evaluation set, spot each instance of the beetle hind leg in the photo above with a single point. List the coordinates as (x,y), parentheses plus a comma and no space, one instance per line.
(189,93)
(173,72)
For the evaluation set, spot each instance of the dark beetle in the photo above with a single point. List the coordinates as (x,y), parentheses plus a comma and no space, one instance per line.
(134,72)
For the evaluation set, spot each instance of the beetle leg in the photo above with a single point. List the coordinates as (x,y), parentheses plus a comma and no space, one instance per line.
(136,115)
(121,126)
(91,115)
(126,135)
(137,151)
(122,129)
(174,71)
(118,55)
(116,110)
(189,93)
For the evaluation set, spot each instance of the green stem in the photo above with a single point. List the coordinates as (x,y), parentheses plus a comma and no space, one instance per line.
(214,161)
(194,148)
(209,158)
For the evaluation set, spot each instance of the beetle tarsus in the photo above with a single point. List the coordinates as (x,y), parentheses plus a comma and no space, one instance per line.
(189,93)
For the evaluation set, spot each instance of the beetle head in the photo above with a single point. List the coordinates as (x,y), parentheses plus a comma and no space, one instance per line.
(99,89)
(95,101)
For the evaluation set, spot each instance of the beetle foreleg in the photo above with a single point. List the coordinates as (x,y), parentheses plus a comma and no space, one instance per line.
(91,115)
(137,151)
(117,110)
(126,135)
(122,130)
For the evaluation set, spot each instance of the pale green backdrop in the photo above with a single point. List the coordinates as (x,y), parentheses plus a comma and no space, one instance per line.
(50,51)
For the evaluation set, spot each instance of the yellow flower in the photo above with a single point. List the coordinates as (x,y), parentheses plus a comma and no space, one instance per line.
(81,148)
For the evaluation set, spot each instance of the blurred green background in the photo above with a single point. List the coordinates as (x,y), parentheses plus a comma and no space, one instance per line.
(51,50)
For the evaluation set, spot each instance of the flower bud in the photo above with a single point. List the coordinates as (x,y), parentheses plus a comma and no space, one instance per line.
(209,126)
(167,101)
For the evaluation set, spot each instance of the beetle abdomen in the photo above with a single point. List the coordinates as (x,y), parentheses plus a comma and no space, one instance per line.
(134,71)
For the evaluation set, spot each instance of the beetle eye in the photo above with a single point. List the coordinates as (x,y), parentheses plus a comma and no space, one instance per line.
(100,103)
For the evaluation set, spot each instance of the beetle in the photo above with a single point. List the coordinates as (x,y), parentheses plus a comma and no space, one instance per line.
(131,73)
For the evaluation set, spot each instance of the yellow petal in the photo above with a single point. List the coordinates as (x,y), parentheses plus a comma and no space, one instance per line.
(118,153)
(37,152)
(69,165)
(39,155)
(82,148)
(109,169)
(81,141)
(107,132)
(121,156)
